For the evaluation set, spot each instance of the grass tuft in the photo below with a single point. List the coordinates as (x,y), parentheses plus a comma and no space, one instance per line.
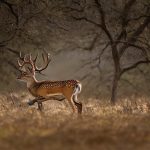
(102,126)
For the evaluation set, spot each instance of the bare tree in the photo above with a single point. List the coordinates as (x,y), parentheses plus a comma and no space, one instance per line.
(16,15)
(130,33)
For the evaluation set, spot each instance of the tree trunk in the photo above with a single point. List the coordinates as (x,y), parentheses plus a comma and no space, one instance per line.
(114,88)
(117,71)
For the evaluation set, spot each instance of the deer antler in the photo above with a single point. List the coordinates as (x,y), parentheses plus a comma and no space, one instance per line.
(20,58)
(27,59)
(46,60)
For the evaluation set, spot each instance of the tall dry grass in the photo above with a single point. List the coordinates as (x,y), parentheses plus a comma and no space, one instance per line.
(102,126)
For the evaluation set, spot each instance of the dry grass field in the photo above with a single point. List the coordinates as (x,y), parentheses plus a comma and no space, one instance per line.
(125,126)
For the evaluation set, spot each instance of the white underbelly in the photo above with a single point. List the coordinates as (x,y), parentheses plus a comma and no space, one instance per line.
(54,94)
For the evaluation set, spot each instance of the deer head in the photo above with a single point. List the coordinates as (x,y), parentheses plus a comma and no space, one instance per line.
(28,67)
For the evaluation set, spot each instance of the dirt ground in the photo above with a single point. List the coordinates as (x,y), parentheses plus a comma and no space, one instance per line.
(125,126)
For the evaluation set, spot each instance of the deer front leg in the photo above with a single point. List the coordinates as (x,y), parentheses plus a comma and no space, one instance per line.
(40,106)
(32,102)
(41,99)
(78,104)
(39,102)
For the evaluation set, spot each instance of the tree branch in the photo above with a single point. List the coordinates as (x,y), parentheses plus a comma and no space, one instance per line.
(100,55)
(92,44)
(87,20)
(103,21)
(9,5)
(135,35)
(12,64)
(134,65)
(143,49)
(124,18)
(13,51)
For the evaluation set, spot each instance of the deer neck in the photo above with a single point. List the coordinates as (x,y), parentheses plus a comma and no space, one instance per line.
(31,82)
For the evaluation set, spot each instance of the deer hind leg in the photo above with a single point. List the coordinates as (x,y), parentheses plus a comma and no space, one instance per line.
(71,103)
(32,102)
(39,102)
(78,104)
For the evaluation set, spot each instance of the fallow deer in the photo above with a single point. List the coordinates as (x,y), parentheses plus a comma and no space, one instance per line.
(43,90)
